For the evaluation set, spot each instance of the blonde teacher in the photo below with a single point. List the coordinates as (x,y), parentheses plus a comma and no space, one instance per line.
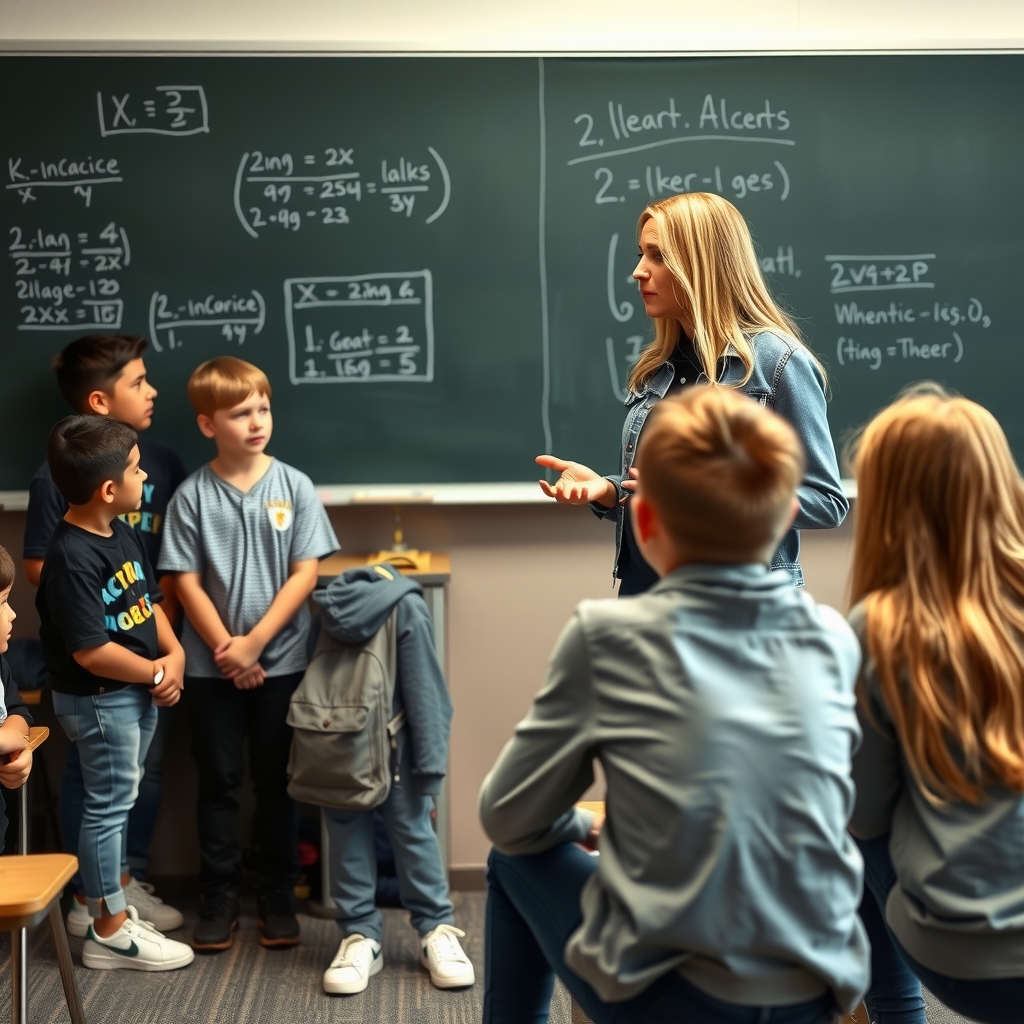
(714,323)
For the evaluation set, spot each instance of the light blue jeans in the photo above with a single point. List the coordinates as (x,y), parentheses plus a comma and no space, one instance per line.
(112,733)
(422,884)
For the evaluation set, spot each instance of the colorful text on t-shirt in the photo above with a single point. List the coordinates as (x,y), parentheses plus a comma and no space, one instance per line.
(139,611)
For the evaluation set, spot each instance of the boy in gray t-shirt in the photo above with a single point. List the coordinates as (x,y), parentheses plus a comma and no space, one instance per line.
(245,534)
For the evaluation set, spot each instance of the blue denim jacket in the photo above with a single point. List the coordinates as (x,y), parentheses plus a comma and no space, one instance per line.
(787,380)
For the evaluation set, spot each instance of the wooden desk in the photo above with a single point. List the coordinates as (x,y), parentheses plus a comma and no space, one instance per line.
(435,592)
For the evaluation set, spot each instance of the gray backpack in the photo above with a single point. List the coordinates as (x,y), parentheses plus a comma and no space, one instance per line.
(344,745)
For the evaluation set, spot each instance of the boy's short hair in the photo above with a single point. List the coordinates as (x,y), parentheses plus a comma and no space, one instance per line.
(720,469)
(84,451)
(6,568)
(224,382)
(93,363)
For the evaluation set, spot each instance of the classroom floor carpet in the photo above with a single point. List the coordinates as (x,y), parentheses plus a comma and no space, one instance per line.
(252,985)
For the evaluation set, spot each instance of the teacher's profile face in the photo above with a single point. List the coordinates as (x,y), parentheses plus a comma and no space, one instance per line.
(656,280)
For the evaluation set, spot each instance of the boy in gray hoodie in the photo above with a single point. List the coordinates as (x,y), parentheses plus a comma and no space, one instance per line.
(720,704)
(353,607)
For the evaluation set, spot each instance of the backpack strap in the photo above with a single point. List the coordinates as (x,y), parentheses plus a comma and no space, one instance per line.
(394,728)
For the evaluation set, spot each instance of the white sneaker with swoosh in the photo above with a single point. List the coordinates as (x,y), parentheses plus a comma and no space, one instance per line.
(358,959)
(445,958)
(135,946)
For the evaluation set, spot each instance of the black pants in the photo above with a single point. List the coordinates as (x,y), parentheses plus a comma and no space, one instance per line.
(222,718)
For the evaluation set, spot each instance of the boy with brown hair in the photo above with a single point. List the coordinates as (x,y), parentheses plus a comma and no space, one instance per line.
(720,705)
(113,660)
(105,375)
(244,534)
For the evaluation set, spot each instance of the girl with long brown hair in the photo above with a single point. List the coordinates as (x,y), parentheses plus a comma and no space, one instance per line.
(938,586)
(714,322)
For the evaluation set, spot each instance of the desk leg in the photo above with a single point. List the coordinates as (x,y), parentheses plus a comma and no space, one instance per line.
(67,970)
(19,976)
(23,819)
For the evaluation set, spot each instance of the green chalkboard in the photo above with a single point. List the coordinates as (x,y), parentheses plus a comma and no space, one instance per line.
(430,256)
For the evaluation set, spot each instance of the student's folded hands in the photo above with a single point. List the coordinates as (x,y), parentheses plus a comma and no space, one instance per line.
(238,654)
(167,692)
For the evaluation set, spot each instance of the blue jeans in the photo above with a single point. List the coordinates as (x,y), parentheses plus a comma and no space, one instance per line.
(112,733)
(422,885)
(533,907)
(142,817)
(897,975)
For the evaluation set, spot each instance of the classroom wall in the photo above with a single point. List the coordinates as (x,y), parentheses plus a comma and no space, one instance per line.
(517,572)
(524,25)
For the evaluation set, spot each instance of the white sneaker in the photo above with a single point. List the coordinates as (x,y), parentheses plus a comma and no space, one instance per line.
(443,956)
(358,959)
(78,920)
(140,895)
(134,946)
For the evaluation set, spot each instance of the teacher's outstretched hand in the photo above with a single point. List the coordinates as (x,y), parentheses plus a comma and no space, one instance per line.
(577,484)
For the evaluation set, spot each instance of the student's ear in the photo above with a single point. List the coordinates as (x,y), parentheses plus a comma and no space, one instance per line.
(107,490)
(205,425)
(644,517)
(98,403)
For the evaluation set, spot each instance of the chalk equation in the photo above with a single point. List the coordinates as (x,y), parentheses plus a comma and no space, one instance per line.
(916,349)
(79,174)
(282,192)
(166,110)
(663,124)
(927,330)
(67,281)
(770,179)
(227,317)
(362,329)
(879,273)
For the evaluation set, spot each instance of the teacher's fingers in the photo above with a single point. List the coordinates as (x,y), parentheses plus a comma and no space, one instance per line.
(552,462)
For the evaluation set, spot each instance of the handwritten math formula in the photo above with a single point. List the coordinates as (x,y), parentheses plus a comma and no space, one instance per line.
(926,330)
(361,329)
(283,192)
(68,280)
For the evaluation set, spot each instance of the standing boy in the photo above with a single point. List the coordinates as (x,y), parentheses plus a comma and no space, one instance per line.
(244,534)
(113,659)
(104,375)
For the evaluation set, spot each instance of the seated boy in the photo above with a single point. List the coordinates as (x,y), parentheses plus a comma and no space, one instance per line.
(720,705)
(15,758)
(113,659)
(244,534)
(104,375)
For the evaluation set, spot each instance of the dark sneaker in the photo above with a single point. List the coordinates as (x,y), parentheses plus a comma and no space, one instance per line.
(218,919)
(278,924)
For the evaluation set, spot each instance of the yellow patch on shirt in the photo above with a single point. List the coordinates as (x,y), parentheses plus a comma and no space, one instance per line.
(280,514)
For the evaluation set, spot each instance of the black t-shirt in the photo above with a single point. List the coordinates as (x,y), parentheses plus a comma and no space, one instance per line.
(46,505)
(686,364)
(93,590)
(15,706)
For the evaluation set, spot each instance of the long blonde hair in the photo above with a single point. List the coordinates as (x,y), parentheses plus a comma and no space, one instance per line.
(939,565)
(706,244)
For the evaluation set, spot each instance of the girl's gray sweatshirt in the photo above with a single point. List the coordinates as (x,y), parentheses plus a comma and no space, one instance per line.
(958,902)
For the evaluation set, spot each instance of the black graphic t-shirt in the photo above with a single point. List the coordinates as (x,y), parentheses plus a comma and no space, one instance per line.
(93,590)
(46,505)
